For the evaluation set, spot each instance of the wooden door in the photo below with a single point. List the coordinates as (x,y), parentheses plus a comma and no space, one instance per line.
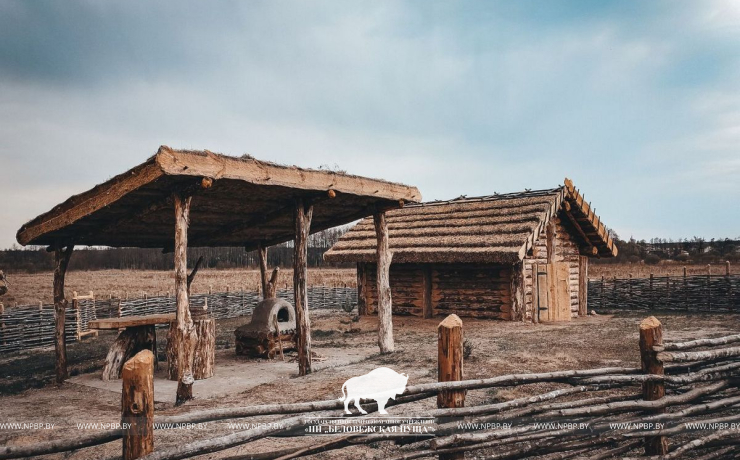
(552,287)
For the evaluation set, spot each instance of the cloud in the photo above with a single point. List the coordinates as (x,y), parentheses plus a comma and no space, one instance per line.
(631,100)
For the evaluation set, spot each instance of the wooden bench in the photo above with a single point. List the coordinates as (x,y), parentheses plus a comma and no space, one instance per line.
(138,334)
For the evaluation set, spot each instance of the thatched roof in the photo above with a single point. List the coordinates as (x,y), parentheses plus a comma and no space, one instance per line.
(236,202)
(489,229)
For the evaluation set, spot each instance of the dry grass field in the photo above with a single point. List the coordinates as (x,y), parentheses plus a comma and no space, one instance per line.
(27,289)
(596,270)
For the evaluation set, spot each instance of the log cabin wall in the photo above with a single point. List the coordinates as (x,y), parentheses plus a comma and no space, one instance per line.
(480,291)
(563,247)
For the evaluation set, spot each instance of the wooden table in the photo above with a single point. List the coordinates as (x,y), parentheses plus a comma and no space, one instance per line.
(138,334)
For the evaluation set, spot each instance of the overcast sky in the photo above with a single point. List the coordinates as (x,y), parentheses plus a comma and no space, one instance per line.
(638,102)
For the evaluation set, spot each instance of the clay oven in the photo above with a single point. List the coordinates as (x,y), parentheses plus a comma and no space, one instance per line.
(272,327)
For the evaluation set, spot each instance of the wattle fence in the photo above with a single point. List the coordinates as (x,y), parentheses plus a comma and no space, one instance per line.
(25,327)
(690,294)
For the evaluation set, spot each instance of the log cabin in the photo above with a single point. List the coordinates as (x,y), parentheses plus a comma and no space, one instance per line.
(519,256)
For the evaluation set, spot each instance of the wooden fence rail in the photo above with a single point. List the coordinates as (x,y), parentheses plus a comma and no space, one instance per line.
(626,412)
(695,294)
(25,327)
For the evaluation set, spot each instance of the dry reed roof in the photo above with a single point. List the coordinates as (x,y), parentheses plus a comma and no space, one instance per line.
(236,202)
(489,229)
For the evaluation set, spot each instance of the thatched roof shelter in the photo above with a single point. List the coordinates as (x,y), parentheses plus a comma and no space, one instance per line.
(182,198)
(247,202)
(487,229)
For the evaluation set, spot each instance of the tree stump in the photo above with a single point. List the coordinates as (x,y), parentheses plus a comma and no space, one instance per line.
(137,405)
(129,342)
(205,348)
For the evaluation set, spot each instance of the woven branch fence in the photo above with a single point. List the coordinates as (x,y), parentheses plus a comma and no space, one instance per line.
(25,327)
(687,407)
(691,294)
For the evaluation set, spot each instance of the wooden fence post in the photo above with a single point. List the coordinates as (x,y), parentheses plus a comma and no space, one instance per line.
(137,405)
(727,268)
(651,334)
(450,367)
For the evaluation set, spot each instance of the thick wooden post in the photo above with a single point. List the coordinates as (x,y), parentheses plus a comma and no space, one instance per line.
(137,405)
(303,217)
(183,337)
(583,286)
(450,367)
(361,289)
(262,254)
(385,309)
(61,262)
(651,334)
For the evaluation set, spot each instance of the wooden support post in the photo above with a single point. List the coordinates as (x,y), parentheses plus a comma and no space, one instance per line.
(137,405)
(361,289)
(385,309)
(268,284)
(61,262)
(183,337)
(582,286)
(727,268)
(517,292)
(651,335)
(302,217)
(450,367)
(262,253)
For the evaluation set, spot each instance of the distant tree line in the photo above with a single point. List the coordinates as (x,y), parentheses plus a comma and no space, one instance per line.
(36,259)
(687,250)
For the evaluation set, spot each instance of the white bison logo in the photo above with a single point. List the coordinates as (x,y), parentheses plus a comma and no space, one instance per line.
(380,384)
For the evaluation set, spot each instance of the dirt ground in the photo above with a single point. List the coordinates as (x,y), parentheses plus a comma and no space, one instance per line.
(497,348)
(29,289)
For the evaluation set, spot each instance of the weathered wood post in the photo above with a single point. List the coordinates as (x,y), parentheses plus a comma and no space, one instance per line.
(302,215)
(450,367)
(2,322)
(709,287)
(651,335)
(361,289)
(384,256)
(182,336)
(137,405)
(61,263)
(727,268)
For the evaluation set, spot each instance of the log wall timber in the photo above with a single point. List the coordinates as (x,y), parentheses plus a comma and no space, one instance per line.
(473,291)
(302,217)
(563,247)
(61,262)
(482,291)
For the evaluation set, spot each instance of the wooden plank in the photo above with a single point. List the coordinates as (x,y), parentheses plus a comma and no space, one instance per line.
(131,321)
